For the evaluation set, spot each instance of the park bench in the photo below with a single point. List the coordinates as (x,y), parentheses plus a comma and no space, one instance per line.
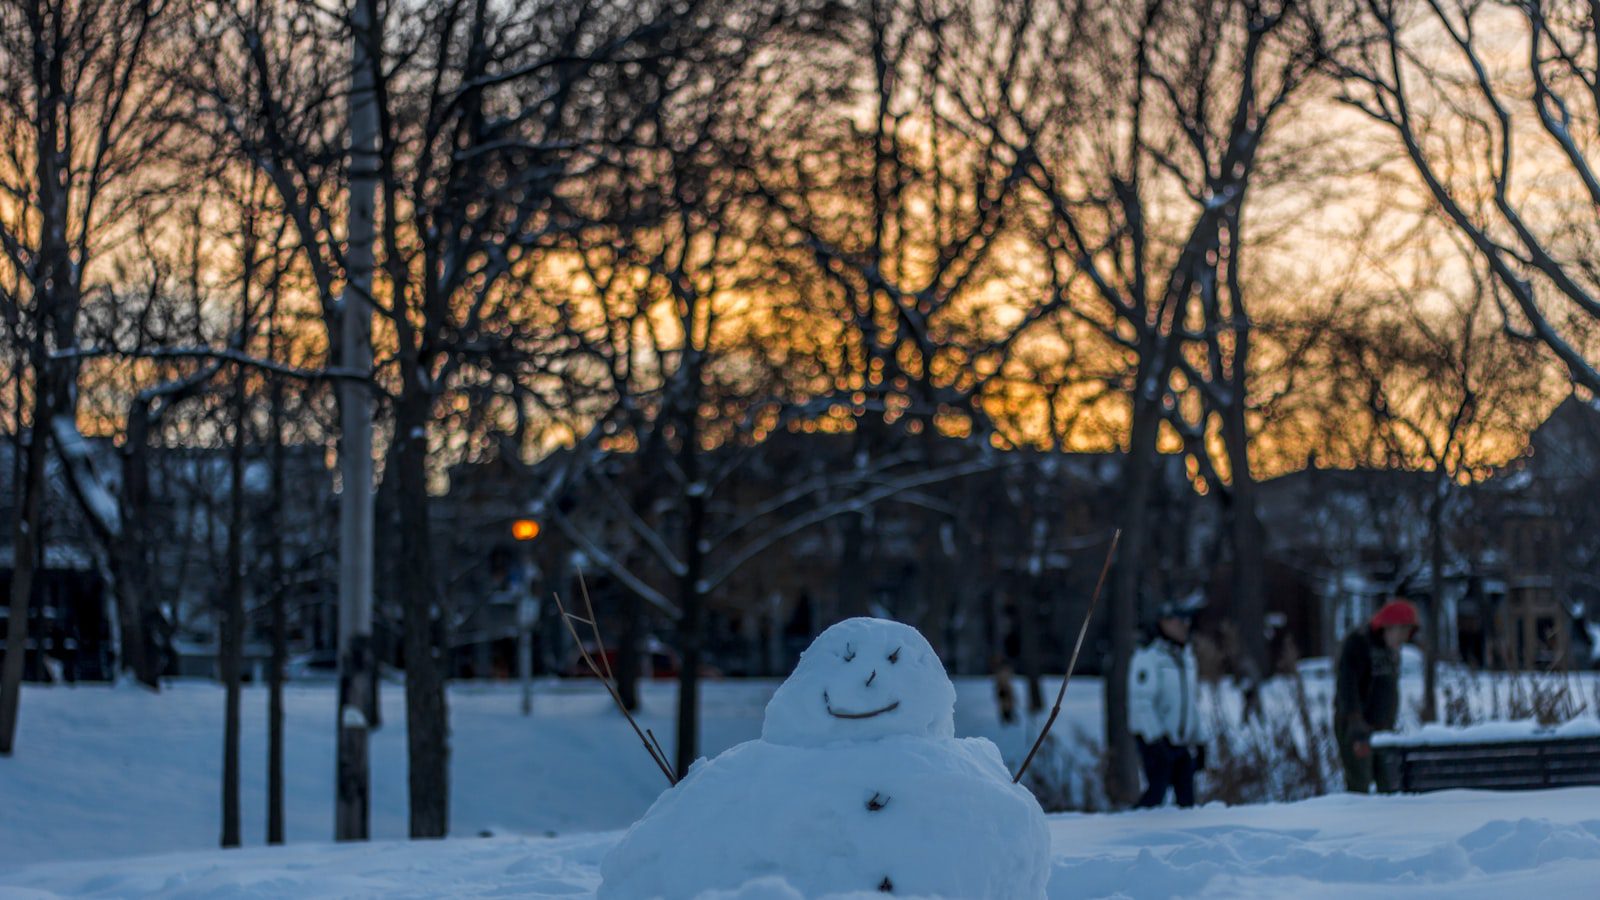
(1505,756)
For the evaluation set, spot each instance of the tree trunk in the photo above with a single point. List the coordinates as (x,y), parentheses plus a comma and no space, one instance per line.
(427,721)
(1029,597)
(280,625)
(1249,550)
(232,656)
(19,495)
(231,653)
(1249,555)
(1138,475)
(631,650)
(1028,644)
(1430,632)
(54,289)
(130,553)
(358,682)
(24,554)
(691,595)
(630,653)
(852,570)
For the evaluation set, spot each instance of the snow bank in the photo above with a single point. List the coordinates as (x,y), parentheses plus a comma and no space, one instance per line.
(106,771)
(775,888)
(1451,844)
(1459,845)
(1488,733)
(102,774)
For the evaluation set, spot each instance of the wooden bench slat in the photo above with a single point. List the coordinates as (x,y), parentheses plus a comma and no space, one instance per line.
(1532,765)
(1516,765)
(1575,779)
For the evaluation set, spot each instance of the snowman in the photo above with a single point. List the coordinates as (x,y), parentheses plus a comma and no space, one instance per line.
(857,783)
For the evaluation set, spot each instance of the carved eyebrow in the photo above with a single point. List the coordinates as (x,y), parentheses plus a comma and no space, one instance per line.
(849,652)
(895,656)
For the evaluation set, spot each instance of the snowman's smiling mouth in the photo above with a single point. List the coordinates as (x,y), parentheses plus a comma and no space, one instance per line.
(837,714)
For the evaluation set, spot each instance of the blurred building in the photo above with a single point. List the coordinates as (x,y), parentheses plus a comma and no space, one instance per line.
(1002,559)
(72,633)
(1520,585)
(998,563)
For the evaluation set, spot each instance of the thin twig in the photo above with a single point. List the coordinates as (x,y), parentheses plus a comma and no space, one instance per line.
(594,624)
(1073,664)
(654,750)
(660,752)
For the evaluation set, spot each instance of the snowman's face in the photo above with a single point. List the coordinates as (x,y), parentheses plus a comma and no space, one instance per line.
(859,680)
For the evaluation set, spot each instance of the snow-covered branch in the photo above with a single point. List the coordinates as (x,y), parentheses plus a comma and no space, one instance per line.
(86,483)
(222,354)
(811,487)
(639,526)
(613,566)
(853,504)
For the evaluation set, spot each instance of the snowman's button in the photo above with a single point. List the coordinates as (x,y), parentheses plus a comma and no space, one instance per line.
(878,801)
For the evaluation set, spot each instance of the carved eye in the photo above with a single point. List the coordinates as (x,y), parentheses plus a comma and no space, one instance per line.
(849,652)
(895,656)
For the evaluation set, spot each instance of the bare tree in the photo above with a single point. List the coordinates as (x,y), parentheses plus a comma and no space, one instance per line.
(78,115)
(896,211)
(275,524)
(867,339)
(230,653)
(1111,149)
(1437,390)
(1143,150)
(481,143)
(483,119)
(1478,93)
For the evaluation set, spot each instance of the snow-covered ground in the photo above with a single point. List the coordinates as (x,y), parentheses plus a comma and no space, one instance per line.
(1458,845)
(102,774)
(117,771)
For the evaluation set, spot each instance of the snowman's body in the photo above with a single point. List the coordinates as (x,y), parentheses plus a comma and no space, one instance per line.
(857,784)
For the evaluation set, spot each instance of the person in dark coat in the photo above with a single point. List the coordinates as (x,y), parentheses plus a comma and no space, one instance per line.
(1367,695)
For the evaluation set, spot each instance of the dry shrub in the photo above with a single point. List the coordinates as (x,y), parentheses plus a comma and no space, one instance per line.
(1549,697)
(1069,775)
(1457,704)
(1286,752)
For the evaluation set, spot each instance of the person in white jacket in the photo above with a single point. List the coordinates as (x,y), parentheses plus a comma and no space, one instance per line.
(1163,707)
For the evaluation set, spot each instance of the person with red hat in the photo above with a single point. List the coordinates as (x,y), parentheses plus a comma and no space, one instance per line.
(1367,695)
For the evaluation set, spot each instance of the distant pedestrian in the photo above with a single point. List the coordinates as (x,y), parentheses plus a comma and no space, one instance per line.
(1163,707)
(1367,696)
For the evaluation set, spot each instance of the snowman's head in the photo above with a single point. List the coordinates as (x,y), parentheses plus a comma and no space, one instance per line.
(859,680)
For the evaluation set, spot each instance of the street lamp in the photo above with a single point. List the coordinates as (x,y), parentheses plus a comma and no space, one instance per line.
(524,530)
